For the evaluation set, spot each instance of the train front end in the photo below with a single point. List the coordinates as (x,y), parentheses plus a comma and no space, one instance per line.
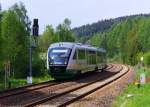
(57,61)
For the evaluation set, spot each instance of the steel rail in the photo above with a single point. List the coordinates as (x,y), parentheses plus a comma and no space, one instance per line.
(40,101)
(93,90)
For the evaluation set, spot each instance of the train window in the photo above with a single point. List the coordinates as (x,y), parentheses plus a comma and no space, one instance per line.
(81,54)
(91,57)
(91,52)
(59,55)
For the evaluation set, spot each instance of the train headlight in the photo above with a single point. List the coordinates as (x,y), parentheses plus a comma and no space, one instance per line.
(52,57)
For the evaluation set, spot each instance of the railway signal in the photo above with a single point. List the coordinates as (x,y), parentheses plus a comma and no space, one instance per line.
(35,28)
(35,33)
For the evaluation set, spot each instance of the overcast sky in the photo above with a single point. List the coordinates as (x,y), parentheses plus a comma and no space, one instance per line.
(80,12)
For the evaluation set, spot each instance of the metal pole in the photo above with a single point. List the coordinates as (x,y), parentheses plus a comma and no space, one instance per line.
(29,78)
(30,73)
(35,32)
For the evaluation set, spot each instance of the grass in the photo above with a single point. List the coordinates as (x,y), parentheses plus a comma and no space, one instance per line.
(22,82)
(133,96)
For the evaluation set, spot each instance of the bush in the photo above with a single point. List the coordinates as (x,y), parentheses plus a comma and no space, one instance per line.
(39,68)
(147,58)
(2,75)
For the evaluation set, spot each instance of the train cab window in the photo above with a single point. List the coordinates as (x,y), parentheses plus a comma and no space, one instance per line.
(81,54)
(59,55)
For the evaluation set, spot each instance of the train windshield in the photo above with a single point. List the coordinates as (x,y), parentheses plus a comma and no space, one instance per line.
(59,55)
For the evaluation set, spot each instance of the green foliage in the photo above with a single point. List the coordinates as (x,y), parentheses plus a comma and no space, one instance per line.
(21,82)
(49,36)
(64,32)
(21,13)
(99,40)
(96,40)
(126,39)
(13,30)
(14,34)
(102,25)
(39,64)
(147,58)
(0,39)
(138,56)
(14,41)
(139,98)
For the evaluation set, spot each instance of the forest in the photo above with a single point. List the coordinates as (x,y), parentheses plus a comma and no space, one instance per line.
(102,25)
(126,39)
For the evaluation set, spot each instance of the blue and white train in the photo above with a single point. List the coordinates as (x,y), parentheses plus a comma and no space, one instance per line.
(66,59)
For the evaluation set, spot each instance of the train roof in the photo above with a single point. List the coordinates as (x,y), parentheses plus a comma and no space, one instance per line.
(72,44)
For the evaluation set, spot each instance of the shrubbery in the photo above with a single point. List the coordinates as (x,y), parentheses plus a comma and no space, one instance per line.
(147,58)
(39,68)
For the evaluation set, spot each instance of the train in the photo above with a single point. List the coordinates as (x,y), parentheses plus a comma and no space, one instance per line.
(67,59)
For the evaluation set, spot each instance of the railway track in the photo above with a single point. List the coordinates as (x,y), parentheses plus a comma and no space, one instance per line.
(33,87)
(26,89)
(106,96)
(75,93)
(59,93)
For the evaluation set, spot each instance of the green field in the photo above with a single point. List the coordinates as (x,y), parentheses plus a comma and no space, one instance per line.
(22,82)
(133,96)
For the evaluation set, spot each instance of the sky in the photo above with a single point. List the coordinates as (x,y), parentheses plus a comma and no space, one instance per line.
(80,12)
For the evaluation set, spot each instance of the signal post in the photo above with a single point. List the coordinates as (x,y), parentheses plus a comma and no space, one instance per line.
(34,35)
